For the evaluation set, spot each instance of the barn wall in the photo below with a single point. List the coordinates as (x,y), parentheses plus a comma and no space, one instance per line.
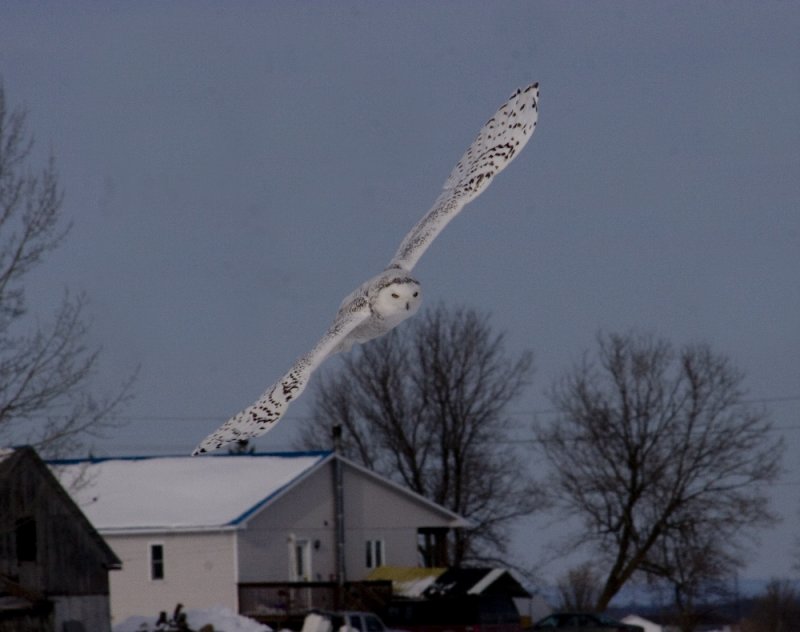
(25,622)
(91,611)
(49,552)
(68,559)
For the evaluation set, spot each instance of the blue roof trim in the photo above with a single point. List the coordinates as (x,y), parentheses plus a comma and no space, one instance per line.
(101,459)
(322,454)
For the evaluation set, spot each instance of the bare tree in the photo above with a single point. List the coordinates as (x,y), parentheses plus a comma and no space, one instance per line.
(776,610)
(426,406)
(45,369)
(579,588)
(693,566)
(656,450)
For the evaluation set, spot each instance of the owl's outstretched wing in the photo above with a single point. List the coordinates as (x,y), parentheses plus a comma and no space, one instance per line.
(271,406)
(499,141)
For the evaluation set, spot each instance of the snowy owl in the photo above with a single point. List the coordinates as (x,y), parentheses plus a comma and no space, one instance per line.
(386,300)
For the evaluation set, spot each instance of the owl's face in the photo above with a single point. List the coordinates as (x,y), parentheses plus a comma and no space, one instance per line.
(399,299)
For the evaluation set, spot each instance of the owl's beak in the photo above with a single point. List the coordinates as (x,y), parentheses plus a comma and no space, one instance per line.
(408,306)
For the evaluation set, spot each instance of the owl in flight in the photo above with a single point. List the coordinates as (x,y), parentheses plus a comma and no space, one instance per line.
(380,304)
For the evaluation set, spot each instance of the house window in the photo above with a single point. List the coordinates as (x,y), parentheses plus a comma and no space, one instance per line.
(299,560)
(25,532)
(301,553)
(374,554)
(156,561)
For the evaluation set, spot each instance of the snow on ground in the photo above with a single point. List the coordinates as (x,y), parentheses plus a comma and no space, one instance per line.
(316,623)
(223,620)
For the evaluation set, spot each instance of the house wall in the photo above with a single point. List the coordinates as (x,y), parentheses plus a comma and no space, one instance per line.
(307,513)
(199,572)
(375,511)
(372,511)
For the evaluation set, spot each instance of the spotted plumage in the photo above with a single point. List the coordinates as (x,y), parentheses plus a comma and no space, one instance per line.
(380,304)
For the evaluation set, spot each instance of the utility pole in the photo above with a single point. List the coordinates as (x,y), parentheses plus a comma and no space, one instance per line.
(338,508)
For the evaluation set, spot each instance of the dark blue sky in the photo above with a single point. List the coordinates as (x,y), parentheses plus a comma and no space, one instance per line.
(234,170)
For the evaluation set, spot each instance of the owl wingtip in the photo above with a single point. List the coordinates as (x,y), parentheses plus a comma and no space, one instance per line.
(534,87)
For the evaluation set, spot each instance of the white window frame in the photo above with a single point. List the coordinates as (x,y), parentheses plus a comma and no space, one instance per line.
(375,553)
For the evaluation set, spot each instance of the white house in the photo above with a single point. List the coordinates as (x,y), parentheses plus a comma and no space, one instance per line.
(249,532)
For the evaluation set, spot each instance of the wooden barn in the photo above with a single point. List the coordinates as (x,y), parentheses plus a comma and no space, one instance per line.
(53,564)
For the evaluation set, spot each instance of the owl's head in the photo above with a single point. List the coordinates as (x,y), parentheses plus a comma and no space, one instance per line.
(398,298)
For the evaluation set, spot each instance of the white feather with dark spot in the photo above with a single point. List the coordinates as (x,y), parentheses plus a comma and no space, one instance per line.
(383,302)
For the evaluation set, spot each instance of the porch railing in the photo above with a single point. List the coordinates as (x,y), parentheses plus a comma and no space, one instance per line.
(285,602)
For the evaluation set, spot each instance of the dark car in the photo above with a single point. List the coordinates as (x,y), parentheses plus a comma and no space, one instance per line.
(584,622)
(355,621)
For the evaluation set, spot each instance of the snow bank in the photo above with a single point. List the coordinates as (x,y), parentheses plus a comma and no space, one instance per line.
(223,620)
(316,623)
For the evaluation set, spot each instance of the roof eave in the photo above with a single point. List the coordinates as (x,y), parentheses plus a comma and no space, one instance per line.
(167,530)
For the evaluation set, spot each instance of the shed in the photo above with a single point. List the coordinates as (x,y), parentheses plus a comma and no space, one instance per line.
(459,598)
(54,565)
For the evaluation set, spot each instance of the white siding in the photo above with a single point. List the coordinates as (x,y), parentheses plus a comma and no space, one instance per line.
(372,511)
(199,572)
(307,514)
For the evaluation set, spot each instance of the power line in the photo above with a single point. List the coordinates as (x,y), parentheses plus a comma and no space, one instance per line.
(516,413)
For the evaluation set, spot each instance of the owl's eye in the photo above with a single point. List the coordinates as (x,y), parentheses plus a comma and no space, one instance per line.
(395,295)
(416,294)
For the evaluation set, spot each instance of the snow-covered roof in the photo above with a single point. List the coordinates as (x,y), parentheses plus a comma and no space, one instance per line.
(181,492)
(476,581)
(439,582)
(407,581)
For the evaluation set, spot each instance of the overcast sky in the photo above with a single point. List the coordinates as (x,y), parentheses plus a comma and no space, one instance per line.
(233,170)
